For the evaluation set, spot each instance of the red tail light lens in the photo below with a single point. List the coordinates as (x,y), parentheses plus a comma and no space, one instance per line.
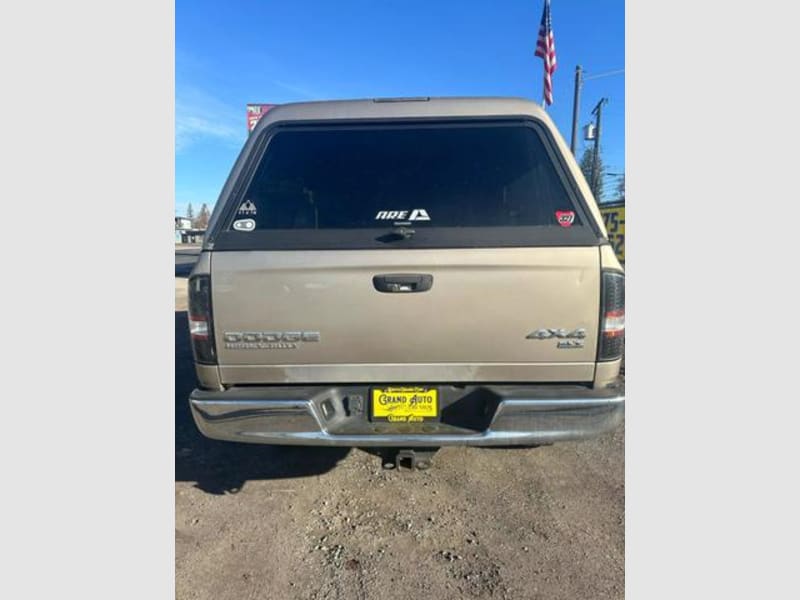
(201,327)
(612,316)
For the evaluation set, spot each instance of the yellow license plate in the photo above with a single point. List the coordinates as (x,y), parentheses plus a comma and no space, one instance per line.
(405,404)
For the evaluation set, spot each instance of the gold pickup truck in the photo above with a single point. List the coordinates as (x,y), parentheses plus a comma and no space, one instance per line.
(407,273)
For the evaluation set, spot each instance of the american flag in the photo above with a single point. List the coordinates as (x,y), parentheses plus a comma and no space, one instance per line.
(546,49)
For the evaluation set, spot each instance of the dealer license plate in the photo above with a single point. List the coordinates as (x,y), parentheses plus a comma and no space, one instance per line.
(405,404)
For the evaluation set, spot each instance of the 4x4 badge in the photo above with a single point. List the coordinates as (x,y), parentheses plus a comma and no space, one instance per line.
(546,334)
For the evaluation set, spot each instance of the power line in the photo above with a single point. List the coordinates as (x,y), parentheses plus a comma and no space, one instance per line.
(604,74)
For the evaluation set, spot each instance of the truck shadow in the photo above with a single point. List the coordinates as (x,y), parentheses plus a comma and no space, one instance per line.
(224,467)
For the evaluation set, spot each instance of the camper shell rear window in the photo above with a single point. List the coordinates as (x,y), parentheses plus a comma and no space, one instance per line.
(405,185)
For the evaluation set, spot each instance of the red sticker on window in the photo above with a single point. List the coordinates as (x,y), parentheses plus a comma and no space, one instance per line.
(565,218)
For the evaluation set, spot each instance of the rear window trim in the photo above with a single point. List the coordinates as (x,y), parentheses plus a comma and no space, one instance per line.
(443,237)
(224,238)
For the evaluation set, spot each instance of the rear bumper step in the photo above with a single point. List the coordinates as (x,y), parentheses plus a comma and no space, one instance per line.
(470,416)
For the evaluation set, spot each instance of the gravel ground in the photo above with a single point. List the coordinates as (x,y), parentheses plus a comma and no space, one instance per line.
(284,522)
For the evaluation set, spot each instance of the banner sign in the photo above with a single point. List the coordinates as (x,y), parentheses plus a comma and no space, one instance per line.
(614,218)
(254,114)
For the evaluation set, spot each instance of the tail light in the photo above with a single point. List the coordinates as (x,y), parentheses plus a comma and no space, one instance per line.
(201,327)
(612,316)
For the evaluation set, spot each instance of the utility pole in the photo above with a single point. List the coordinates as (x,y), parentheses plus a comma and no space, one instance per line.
(598,112)
(579,79)
(575,108)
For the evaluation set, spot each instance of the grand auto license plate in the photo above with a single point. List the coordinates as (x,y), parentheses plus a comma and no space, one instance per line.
(405,404)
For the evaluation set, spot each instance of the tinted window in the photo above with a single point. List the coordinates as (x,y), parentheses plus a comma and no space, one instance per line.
(431,176)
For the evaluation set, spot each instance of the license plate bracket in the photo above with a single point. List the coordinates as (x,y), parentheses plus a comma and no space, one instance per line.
(404,404)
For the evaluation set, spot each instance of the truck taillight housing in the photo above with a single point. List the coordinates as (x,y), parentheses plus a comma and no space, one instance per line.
(612,316)
(201,327)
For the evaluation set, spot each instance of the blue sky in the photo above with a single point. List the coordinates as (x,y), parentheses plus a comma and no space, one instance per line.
(230,53)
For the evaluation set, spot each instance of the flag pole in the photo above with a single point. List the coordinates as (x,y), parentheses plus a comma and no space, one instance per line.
(544,90)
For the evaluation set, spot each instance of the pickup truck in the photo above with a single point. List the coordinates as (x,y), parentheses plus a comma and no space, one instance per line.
(407,274)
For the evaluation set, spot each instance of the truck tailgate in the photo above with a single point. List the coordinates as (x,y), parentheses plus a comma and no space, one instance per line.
(311,316)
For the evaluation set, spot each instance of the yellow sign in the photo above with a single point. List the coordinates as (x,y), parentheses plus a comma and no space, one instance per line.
(614,218)
(404,404)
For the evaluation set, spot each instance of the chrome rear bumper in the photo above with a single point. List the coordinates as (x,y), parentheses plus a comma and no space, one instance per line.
(471,416)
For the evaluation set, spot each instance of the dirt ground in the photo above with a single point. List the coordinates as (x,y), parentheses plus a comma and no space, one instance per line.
(274,522)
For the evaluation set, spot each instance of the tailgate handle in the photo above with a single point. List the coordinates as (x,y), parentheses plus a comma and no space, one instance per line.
(402,283)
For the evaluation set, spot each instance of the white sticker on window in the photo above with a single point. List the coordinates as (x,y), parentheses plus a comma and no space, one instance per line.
(418,214)
(244,225)
(247,208)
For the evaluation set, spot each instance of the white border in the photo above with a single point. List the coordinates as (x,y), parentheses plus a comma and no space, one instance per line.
(711,405)
(87,295)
